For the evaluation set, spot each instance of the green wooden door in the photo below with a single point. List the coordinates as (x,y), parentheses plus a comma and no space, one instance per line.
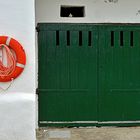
(88,74)
(119,74)
(67,74)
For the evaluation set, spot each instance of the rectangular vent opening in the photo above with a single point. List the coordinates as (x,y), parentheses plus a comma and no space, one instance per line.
(131,39)
(68,38)
(89,38)
(57,38)
(72,11)
(121,38)
(80,38)
(112,38)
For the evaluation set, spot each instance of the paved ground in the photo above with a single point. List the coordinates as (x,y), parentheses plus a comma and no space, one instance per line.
(105,133)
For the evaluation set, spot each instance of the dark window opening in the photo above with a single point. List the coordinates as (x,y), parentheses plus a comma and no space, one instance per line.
(72,11)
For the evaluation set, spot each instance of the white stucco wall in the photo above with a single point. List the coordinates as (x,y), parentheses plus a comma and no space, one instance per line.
(17,104)
(97,11)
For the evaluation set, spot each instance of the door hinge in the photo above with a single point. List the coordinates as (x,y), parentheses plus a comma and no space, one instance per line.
(37,91)
(37,28)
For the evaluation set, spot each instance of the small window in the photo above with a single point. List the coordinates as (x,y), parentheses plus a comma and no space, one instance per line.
(72,11)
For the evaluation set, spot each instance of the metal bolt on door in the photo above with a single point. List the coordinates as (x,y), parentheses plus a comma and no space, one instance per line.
(88,74)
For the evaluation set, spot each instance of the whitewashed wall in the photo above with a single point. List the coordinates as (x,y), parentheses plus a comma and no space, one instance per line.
(97,11)
(17,104)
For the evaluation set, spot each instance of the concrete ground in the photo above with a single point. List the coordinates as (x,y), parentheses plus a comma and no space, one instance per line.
(104,133)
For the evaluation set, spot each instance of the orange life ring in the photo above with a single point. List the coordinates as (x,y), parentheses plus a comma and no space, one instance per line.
(20,57)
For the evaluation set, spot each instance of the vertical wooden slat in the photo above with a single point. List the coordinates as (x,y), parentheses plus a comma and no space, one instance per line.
(73,56)
(64,61)
(117,38)
(50,59)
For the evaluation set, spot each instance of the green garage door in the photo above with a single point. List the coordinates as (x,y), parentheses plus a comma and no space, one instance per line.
(88,74)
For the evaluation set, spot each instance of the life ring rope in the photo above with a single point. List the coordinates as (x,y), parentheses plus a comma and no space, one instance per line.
(9,57)
(6,88)
(15,57)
